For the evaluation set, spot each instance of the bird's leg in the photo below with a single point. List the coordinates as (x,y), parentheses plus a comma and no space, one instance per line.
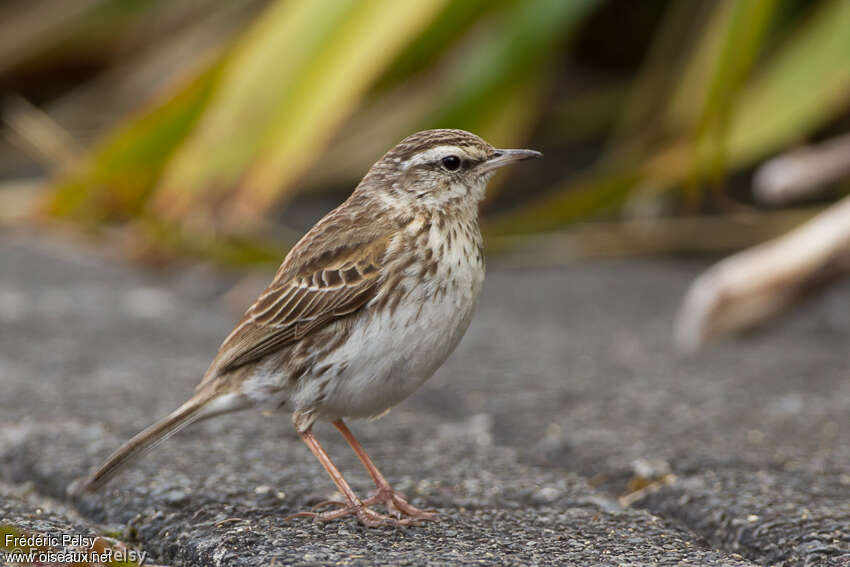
(395,501)
(354,505)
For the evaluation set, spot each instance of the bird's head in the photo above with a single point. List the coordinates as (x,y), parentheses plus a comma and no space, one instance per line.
(433,168)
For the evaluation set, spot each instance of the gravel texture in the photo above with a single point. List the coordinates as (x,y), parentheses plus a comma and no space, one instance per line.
(563,430)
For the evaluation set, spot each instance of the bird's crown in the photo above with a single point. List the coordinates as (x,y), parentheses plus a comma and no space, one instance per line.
(427,140)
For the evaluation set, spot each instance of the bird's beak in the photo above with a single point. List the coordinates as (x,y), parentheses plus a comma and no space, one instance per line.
(504,157)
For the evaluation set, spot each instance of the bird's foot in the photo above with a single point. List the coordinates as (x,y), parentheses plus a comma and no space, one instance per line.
(398,506)
(365,516)
(394,501)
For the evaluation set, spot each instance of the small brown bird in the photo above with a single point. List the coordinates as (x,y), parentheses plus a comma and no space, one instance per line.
(364,309)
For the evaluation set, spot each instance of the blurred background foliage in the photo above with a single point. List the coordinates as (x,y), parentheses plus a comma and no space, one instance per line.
(219,129)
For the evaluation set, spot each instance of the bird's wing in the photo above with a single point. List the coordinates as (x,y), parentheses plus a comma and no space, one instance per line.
(310,290)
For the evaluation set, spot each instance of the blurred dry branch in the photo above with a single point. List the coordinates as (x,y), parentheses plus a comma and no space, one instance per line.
(19,198)
(40,136)
(747,288)
(802,172)
(645,237)
(30,28)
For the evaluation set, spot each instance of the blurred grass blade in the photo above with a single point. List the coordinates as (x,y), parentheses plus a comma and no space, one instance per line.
(710,233)
(690,92)
(53,28)
(31,127)
(341,73)
(592,193)
(638,123)
(513,110)
(748,23)
(313,91)
(437,38)
(514,53)
(805,84)
(293,78)
(255,81)
(137,78)
(492,84)
(124,168)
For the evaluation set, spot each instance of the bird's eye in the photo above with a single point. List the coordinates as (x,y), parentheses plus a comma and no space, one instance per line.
(451,163)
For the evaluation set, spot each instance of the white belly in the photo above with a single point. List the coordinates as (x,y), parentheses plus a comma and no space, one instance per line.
(391,353)
(387,359)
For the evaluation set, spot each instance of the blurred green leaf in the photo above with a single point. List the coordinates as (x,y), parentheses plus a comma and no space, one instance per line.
(804,85)
(799,88)
(493,83)
(122,171)
(313,91)
(513,53)
(586,116)
(437,38)
(746,30)
(163,240)
(293,78)
(55,29)
(258,77)
(652,89)
(587,196)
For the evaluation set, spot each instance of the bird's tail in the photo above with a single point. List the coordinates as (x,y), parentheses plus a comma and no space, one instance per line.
(200,406)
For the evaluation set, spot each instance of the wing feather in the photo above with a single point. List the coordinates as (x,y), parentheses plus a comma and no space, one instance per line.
(300,301)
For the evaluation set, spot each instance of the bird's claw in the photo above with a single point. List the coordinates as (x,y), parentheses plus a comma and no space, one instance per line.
(365,516)
(398,506)
(394,501)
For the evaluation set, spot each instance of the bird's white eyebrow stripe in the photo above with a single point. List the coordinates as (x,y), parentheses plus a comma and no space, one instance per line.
(433,154)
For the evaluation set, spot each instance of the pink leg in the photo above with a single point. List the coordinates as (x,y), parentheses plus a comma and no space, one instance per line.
(354,505)
(394,501)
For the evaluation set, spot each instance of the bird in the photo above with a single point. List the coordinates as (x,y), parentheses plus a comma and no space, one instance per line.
(362,311)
